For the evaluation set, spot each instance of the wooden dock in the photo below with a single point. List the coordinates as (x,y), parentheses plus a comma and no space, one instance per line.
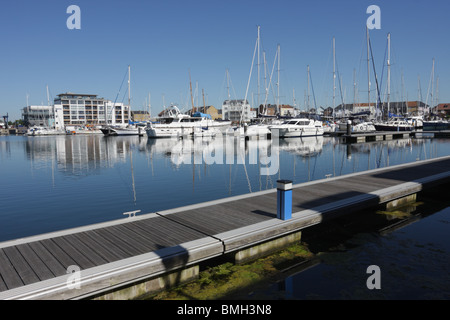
(375,136)
(390,135)
(131,251)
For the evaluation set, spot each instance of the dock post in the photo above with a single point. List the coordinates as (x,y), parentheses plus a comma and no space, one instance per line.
(349,127)
(284,199)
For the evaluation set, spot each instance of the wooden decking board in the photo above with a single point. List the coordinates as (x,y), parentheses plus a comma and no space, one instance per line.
(162,236)
(49,260)
(318,195)
(413,173)
(115,240)
(154,236)
(198,220)
(203,220)
(102,246)
(134,239)
(83,247)
(23,269)
(9,275)
(264,207)
(39,267)
(163,226)
(78,257)
(374,183)
(3,286)
(358,185)
(58,253)
(167,232)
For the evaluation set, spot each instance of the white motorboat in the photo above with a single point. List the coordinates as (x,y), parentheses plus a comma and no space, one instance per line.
(298,127)
(43,131)
(176,124)
(128,130)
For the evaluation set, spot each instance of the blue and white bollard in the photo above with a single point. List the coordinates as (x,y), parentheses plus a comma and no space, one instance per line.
(284,199)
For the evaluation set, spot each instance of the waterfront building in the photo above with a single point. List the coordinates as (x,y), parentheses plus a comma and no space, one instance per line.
(211,110)
(72,109)
(42,116)
(395,107)
(140,116)
(89,109)
(236,110)
(443,109)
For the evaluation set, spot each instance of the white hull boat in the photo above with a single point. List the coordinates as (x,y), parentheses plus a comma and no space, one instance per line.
(300,127)
(123,131)
(181,125)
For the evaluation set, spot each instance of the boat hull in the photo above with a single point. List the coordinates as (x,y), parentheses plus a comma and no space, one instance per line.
(172,131)
(384,127)
(122,131)
(435,125)
(296,132)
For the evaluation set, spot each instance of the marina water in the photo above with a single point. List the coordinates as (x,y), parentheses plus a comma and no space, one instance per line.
(52,183)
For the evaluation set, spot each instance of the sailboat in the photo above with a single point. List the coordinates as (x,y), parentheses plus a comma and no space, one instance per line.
(130,129)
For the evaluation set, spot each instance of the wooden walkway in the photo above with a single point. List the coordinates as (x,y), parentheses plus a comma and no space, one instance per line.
(118,253)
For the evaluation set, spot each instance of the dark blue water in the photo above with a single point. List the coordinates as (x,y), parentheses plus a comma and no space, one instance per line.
(59,182)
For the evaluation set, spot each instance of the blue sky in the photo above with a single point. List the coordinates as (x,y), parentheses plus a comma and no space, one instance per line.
(163,41)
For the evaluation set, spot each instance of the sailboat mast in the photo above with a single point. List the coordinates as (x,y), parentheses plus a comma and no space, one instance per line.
(432,87)
(258,44)
(368,68)
(437,92)
(204,104)
(149,107)
(334,78)
(190,86)
(129,86)
(48,97)
(354,89)
(389,73)
(307,105)
(228,84)
(278,82)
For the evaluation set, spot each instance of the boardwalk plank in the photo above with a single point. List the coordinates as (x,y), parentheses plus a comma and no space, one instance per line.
(3,286)
(9,275)
(59,254)
(117,241)
(134,239)
(79,258)
(100,250)
(106,248)
(39,267)
(49,260)
(24,270)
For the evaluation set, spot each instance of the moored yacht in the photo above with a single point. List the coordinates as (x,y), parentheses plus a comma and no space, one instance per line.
(298,127)
(129,130)
(43,131)
(176,124)
(357,126)
(394,124)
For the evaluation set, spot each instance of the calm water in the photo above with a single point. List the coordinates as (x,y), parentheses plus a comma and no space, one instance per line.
(59,182)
